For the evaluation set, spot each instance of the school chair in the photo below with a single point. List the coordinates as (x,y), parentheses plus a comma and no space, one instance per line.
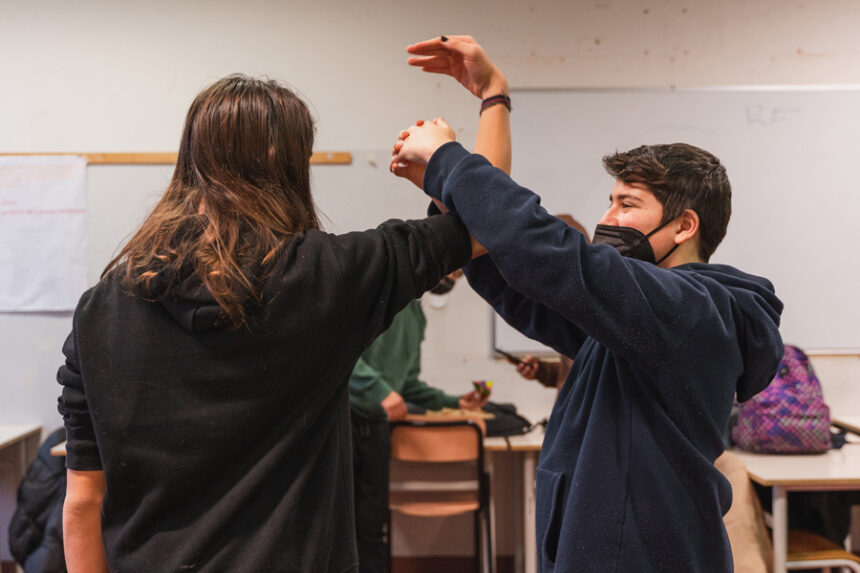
(752,551)
(437,471)
(807,550)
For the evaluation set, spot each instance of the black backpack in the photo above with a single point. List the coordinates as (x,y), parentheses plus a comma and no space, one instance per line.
(35,532)
(507,421)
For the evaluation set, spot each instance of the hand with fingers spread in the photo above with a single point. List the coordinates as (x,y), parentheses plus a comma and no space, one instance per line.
(416,145)
(462,58)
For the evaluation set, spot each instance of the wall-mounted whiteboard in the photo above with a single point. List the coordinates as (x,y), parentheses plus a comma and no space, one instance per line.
(791,156)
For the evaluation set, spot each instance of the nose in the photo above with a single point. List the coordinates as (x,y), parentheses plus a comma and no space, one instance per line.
(609,218)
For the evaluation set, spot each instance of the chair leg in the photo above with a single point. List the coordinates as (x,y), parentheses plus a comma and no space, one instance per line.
(477,531)
(486,510)
(488,535)
(388,542)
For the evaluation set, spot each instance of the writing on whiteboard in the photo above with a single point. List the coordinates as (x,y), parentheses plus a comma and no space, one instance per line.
(758,114)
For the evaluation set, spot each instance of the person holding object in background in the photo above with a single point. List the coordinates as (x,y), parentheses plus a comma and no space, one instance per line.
(384,379)
(551,374)
(205,389)
(662,339)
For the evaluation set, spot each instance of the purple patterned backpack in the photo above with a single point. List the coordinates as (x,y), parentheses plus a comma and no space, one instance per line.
(789,416)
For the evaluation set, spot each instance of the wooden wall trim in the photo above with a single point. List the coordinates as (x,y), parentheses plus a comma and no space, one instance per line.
(167,158)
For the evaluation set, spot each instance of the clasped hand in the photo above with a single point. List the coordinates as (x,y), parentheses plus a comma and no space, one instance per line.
(416,145)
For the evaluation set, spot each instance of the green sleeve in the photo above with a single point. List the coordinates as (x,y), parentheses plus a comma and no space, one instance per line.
(419,393)
(367,388)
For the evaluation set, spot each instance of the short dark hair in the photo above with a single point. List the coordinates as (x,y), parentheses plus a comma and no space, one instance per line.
(682,177)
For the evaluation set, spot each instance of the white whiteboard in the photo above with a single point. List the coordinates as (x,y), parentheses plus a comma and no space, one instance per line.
(790,156)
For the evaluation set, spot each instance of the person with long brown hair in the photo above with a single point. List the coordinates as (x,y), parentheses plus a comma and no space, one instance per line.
(205,384)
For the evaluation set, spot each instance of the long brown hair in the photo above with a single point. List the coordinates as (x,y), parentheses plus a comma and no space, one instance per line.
(240,188)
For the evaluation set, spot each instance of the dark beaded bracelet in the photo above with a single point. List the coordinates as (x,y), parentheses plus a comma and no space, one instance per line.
(496,99)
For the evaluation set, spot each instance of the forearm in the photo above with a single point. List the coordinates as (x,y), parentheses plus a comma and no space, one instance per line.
(494,139)
(494,128)
(547,373)
(493,142)
(478,250)
(419,393)
(367,383)
(82,523)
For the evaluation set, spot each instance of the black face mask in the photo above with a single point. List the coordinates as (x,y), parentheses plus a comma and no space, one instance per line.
(630,242)
(444,286)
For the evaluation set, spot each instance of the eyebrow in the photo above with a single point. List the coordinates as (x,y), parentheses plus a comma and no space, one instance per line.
(625,197)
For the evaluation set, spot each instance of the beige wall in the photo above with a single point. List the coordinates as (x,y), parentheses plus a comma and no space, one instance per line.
(840,382)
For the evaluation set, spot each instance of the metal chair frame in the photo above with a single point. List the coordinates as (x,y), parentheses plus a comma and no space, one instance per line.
(483,553)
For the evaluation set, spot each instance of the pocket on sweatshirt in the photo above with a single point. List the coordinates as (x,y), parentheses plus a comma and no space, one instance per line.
(548,515)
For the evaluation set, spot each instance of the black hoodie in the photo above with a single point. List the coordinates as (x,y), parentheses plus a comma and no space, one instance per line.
(229,449)
(626,480)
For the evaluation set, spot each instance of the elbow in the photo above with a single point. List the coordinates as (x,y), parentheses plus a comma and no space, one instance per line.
(85,491)
(79,505)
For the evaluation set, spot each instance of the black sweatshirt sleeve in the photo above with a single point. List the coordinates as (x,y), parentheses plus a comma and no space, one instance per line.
(82,452)
(385,268)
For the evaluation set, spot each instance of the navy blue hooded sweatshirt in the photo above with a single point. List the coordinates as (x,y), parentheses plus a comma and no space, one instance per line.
(626,480)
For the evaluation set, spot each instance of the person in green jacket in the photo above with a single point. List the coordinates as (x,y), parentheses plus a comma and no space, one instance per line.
(384,379)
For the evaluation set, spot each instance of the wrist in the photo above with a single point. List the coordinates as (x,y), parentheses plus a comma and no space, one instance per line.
(494,100)
(497,85)
(441,163)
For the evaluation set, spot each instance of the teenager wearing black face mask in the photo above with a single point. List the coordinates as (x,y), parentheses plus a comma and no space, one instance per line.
(626,480)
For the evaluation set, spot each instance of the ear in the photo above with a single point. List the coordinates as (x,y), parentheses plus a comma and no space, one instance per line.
(688,227)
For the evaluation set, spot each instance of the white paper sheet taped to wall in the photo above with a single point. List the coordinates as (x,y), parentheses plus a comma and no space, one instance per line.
(43,250)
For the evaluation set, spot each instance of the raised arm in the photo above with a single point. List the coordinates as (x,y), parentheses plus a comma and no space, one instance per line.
(462,58)
(466,61)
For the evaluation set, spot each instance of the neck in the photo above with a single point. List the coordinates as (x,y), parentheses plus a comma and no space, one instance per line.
(685,253)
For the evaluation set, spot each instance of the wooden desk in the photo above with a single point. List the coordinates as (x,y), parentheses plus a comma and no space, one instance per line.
(850,423)
(59,450)
(528,446)
(18,447)
(834,470)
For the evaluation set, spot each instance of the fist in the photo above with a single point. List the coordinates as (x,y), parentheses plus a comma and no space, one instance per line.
(528,367)
(394,406)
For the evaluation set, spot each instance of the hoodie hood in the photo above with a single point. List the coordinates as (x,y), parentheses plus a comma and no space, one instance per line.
(188,301)
(756,311)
